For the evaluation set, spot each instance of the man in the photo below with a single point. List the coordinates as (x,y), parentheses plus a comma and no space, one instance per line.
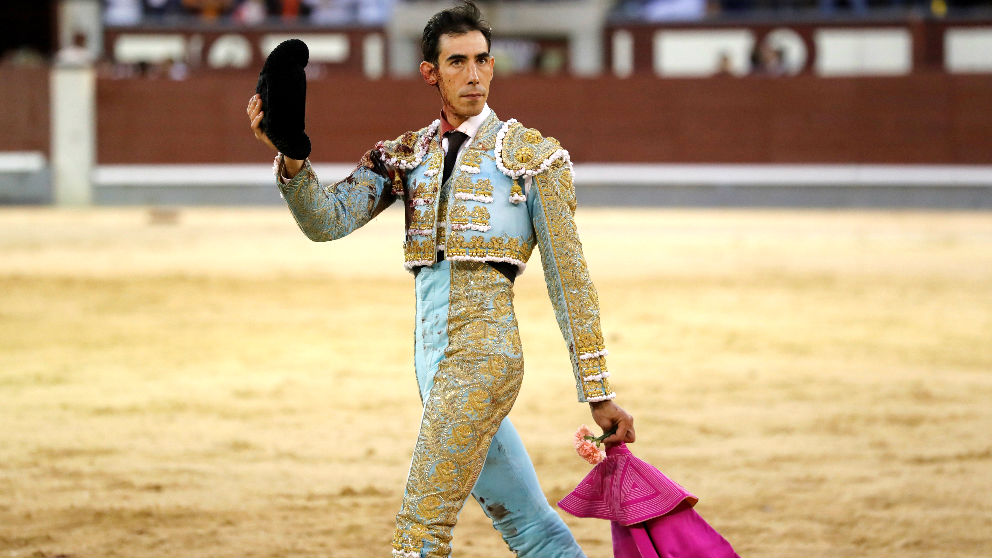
(479,193)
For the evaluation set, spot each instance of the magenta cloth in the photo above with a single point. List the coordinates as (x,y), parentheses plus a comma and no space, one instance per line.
(650,514)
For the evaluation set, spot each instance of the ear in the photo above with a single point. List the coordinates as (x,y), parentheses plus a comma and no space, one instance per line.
(428,71)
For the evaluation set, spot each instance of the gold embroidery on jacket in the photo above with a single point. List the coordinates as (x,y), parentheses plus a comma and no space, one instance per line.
(568,278)
(461,215)
(498,248)
(423,219)
(419,250)
(332,210)
(472,158)
(424,193)
(525,148)
(477,190)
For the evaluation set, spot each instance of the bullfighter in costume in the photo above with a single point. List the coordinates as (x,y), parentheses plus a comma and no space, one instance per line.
(479,193)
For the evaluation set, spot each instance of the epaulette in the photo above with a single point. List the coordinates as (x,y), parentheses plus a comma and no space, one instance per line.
(407,151)
(522,151)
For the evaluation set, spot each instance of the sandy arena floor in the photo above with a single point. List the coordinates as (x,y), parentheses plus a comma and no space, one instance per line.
(220,386)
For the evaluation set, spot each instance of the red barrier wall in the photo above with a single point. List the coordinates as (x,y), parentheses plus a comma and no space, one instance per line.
(24,123)
(928,118)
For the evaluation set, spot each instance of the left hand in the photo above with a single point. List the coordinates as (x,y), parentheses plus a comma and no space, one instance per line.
(608,415)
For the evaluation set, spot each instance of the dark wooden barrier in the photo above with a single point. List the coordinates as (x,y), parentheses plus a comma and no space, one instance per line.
(928,118)
(923,118)
(24,123)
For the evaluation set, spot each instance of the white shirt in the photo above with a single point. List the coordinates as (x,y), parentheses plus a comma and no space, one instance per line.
(470,127)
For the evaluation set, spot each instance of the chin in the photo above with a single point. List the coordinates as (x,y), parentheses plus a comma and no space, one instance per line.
(473,109)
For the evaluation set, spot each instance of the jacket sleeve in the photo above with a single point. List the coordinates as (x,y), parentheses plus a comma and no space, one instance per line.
(329,212)
(573,296)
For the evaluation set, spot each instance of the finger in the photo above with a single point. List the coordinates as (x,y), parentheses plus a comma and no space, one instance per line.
(255,123)
(621,434)
(630,435)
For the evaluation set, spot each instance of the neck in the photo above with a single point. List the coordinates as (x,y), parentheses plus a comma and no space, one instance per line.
(454,119)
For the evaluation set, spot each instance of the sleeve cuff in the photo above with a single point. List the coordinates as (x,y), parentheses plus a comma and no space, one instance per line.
(286,183)
(594,383)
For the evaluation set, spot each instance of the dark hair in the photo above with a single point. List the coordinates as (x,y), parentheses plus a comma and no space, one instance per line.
(458,20)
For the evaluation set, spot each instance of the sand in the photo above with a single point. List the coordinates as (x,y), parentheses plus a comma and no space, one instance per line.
(210,383)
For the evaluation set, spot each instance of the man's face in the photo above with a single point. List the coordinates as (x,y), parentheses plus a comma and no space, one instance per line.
(463,74)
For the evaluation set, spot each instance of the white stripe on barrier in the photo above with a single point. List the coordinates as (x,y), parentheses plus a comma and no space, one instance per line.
(603,174)
(22,161)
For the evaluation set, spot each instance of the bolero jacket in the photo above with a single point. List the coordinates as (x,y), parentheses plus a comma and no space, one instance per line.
(510,189)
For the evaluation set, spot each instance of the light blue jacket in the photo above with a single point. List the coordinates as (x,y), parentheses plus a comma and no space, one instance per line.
(510,189)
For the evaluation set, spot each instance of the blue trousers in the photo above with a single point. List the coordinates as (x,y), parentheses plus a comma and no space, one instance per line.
(507,487)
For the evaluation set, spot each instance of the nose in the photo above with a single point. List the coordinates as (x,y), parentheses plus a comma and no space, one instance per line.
(473,74)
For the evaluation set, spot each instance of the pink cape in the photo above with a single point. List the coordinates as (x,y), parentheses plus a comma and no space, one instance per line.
(650,514)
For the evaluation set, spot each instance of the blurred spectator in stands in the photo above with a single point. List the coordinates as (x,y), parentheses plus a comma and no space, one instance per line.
(768,61)
(674,10)
(776,62)
(335,12)
(829,7)
(364,12)
(208,10)
(289,10)
(660,10)
(75,53)
(250,12)
(176,70)
(724,68)
(160,9)
(122,12)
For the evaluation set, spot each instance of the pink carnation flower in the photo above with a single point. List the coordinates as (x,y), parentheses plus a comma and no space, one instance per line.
(586,448)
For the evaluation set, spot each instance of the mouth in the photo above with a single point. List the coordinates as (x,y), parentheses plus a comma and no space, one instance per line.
(472,96)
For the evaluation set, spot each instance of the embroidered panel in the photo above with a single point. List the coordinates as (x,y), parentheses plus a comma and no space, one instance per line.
(497,249)
(467,189)
(572,292)
(407,151)
(328,212)
(476,180)
(522,149)
(463,218)
(422,221)
(424,193)
(474,389)
(419,252)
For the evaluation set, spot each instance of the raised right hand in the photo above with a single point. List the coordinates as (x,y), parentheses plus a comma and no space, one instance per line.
(255,114)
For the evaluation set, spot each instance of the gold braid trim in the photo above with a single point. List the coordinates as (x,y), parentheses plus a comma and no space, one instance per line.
(524,151)
(408,151)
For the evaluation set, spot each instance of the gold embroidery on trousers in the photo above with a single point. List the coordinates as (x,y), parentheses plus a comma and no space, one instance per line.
(474,389)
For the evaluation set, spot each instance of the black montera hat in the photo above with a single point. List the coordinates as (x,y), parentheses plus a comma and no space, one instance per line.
(282,86)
